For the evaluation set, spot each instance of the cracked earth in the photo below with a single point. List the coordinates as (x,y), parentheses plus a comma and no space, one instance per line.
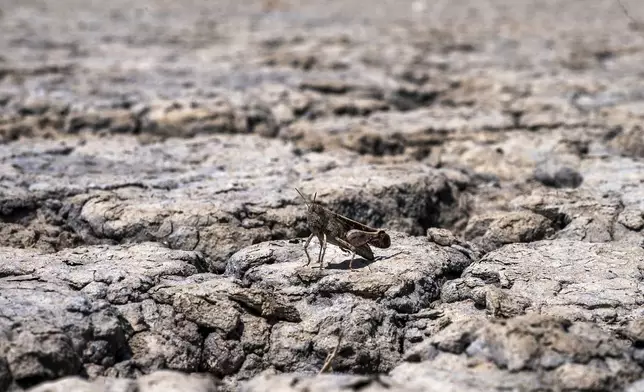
(151,237)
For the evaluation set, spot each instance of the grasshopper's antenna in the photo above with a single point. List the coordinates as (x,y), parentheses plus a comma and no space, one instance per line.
(303,198)
(314,196)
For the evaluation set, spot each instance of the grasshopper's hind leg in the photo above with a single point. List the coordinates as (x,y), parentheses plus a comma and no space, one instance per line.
(322,250)
(306,245)
(353,256)
(363,250)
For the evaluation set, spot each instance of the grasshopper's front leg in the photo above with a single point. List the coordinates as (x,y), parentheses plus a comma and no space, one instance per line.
(306,245)
(322,249)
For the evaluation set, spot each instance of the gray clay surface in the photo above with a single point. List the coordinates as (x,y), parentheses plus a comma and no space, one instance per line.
(151,238)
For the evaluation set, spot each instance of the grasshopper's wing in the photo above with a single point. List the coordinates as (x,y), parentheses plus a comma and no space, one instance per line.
(350,224)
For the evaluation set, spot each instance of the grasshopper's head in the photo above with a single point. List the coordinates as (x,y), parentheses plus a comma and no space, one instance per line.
(309,204)
(313,208)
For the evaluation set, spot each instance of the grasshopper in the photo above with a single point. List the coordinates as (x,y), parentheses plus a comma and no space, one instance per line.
(342,232)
